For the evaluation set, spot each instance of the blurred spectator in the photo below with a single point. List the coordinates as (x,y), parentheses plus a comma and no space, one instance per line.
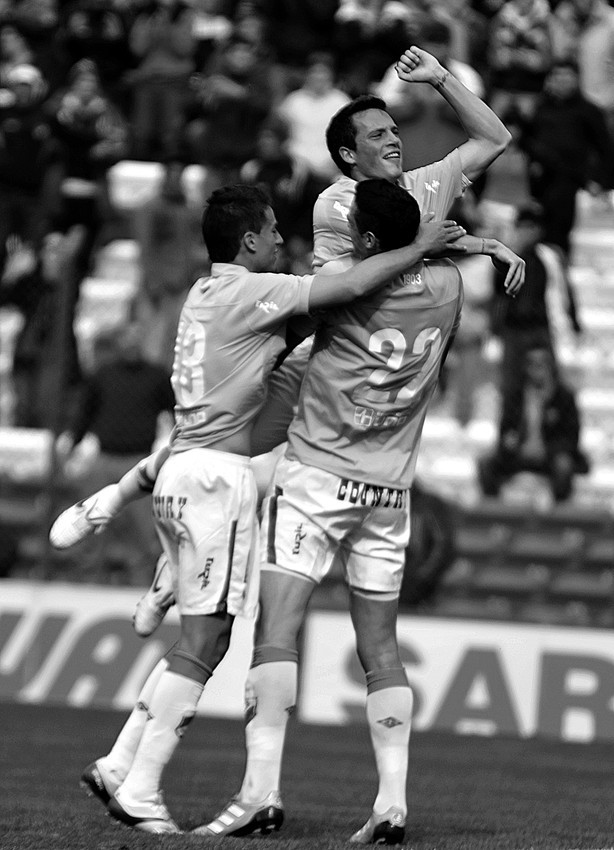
(470,31)
(506,184)
(163,41)
(99,30)
(27,150)
(543,310)
(38,21)
(122,402)
(14,51)
(428,126)
(298,28)
(93,136)
(308,110)
(569,148)
(465,368)
(584,30)
(431,549)
(172,257)
(232,99)
(212,25)
(290,184)
(539,431)
(519,55)
(44,286)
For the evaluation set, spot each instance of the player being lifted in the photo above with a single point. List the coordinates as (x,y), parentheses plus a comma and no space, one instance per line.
(231,332)
(344,481)
(370,140)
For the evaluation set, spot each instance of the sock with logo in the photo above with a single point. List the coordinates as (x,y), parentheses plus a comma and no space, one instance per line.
(119,758)
(389,710)
(270,699)
(172,707)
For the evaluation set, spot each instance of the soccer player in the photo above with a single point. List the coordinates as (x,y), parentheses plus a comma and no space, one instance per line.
(363,141)
(341,492)
(231,332)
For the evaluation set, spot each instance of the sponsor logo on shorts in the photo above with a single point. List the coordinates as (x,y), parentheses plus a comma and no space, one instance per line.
(206,573)
(299,536)
(169,507)
(370,495)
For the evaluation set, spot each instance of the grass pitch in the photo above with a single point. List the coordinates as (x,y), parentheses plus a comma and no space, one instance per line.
(465,793)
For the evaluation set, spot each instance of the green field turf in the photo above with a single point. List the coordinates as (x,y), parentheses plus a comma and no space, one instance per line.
(464,792)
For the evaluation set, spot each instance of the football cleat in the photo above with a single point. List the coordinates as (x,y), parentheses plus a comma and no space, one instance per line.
(152,607)
(77,522)
(238,818)
(99,782)
(388,828)
(145,816)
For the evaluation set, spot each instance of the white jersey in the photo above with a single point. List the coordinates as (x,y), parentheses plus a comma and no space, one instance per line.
(373,370)
(231,332)
(434,186)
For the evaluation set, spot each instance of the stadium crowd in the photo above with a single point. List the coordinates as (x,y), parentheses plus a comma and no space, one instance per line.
(245,89)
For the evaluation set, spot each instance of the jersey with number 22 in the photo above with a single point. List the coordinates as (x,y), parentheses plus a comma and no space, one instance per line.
(373,370)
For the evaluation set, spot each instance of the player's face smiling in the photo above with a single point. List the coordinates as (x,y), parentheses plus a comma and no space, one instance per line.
(378,146)
(267,243)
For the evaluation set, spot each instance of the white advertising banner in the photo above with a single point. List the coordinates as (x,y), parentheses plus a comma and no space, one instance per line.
(472,677)
(75,645)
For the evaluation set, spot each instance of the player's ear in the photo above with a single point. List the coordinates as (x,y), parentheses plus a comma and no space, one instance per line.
(370,240)
(348,155)
(249,241)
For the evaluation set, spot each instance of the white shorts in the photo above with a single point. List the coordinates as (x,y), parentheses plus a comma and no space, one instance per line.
(315,518)
(204,504)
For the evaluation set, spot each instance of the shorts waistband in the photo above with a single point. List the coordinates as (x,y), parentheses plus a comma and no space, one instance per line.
(227,457)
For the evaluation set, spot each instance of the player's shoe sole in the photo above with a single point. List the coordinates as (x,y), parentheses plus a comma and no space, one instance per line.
(239,818)
(96,785)
(81,520)
(387,828)
(146,817)
(152,607)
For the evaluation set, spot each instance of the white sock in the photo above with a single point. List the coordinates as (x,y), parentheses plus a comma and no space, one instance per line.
(171,708)
(389,718)
(270,700)
(119,758)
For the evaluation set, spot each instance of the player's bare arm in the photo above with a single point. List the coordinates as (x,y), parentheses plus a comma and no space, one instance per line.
(488,136)
(433,238)
(503,258)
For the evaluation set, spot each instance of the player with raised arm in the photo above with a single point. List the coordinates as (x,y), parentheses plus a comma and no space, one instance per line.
(230,335)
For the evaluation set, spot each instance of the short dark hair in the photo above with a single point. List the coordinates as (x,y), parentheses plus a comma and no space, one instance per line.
(388,211)
(341,131)
(231,212)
